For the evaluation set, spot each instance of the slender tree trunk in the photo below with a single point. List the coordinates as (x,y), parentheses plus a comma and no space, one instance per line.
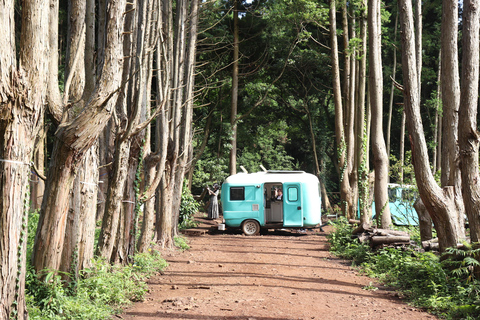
(376,89)
(337,96)
(360,129)
(146,232)
(37,185)
(402,145)
(73,140)
(468,133)
(450,87)
(437,115)
(78,250)
(438,202)
(352,196)
(234,103)
(392,91)
(186,128)
(418,43)
(346,59)
(22,98)
(82,197)
(111,219)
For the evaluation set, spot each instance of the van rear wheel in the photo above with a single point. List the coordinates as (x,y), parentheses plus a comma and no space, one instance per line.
(251,227)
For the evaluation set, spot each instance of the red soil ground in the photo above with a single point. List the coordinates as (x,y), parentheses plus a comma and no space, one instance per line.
(275,276)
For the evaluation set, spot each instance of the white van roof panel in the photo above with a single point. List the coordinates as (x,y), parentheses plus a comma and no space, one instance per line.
(271,176)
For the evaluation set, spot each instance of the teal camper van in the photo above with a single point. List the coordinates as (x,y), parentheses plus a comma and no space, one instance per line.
(251,201)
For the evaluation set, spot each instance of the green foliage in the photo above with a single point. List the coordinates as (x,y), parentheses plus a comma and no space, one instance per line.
(344,245)
(463,262)
(101,291)
(181,243)
(447,288)
(188,208)
(268,148)
(407,166)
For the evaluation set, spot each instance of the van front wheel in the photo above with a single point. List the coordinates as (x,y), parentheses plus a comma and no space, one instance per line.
(251,227)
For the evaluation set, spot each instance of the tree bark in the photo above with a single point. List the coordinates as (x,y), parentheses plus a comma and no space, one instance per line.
(360,128)
(450,87)
(22,104)
(468,132)
(73,140)
(392,91)
(438,202)
(234,102)
(337,97)
(424,220)
(376,89)
(77,253)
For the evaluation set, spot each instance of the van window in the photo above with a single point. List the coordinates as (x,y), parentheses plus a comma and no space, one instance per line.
(292,194)
(237,193)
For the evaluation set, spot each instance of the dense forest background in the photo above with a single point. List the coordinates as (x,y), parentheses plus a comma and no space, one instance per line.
(111,110)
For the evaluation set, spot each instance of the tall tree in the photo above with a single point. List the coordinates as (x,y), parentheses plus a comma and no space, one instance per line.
(339,126)
(375,86)
(439,203)
(360,127)
(468,133)
(450,88)
(73,139)
(234,102)
(22,103)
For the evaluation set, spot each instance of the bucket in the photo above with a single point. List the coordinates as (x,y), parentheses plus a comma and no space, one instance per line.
(221,227)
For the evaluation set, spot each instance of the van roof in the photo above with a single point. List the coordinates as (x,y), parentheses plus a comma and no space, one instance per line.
(271,176)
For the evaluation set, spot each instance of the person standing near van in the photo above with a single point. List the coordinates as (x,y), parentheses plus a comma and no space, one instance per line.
(213,205)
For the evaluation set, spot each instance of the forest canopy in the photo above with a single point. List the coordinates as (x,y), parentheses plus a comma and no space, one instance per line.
(111,110)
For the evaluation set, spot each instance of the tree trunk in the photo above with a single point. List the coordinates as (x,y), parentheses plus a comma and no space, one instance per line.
(418,44)
(37,185)
(438,202)
(392,91)
(451,175)
(468,132)
(76,48)
(78,250)
(146,233)
(113,206)
(437,116)
(73,140)
(360,129)
(22,104)
(402,145)
(337,96)
(376,89)
(424,220)
(234,103)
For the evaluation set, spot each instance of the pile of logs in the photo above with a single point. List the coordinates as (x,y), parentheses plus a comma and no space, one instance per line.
(380,238)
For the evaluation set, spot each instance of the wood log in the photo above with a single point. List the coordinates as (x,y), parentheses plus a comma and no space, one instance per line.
(362,228)
(353,221)
(377,240)
(362,238)
(387,232)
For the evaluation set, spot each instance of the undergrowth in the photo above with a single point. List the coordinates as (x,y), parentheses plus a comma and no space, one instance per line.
(447,288)
(99,292)
(188,208)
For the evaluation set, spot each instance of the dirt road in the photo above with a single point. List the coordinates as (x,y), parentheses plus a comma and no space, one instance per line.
(277,276)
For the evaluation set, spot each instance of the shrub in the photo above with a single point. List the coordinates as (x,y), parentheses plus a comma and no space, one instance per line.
(447,288)
(100,292)
(188,208)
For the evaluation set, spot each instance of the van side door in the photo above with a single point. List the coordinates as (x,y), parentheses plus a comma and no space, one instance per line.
(292,205)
